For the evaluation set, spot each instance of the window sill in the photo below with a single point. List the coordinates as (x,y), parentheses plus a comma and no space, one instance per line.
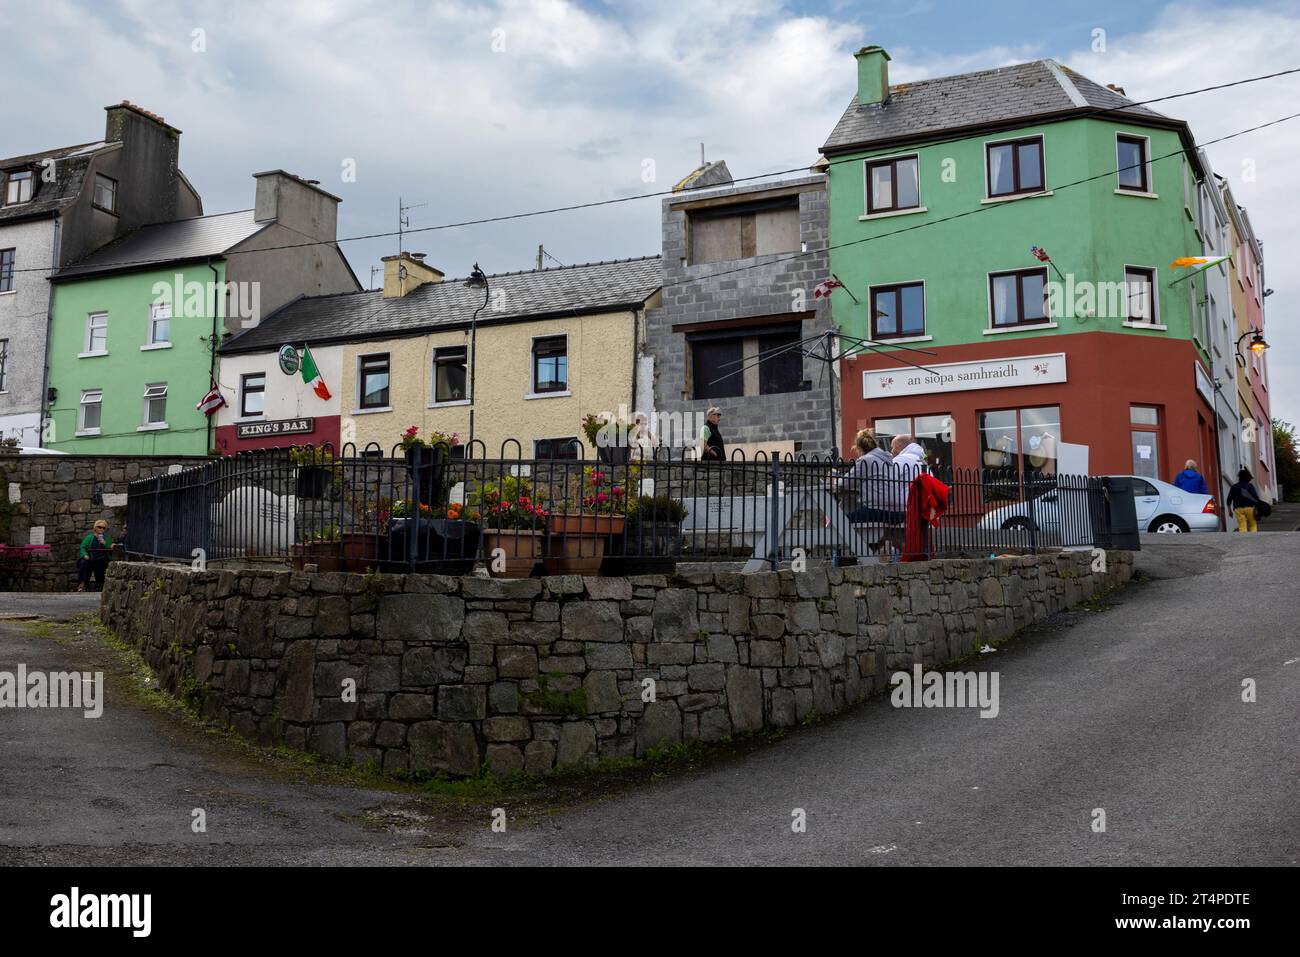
(1026,327)
(11,292)
(893,212)
(86,433)
(1012,199)
(91,355)
(386,408)
(155,345)
(547,395)
(901,340)
(103,209)
(1153,326)
(447,405)
(1136,192)
(152,427)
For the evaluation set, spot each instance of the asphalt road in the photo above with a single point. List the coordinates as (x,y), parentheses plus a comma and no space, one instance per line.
(1136,710)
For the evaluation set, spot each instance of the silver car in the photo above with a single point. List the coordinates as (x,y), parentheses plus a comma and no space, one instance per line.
(1160,507)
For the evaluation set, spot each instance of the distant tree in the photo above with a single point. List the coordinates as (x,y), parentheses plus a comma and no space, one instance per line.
(1288,460)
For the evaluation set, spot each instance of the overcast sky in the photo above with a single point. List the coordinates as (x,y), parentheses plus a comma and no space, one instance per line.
(485,109)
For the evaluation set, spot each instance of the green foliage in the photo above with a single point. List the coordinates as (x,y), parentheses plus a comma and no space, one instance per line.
(656,509)
(1288,459)
(549,701)
(509,502)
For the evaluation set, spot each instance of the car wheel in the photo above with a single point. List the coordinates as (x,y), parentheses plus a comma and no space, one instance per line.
(1017,525)
(1168,525)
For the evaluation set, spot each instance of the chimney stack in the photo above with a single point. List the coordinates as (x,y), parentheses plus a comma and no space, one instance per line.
(873,76)
(407,272)
(297,203)
(154,148)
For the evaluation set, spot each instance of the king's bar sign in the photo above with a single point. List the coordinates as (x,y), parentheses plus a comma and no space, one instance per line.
(964,376)
(257,430)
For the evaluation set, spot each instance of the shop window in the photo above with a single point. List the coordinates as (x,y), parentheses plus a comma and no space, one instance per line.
(934,433)
(1018,451)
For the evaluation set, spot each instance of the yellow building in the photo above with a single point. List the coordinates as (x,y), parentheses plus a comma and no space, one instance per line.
(552,345)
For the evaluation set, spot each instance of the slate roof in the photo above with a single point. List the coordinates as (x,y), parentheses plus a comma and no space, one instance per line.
(70,166)
(1010,95)
(185,239)
(564,290)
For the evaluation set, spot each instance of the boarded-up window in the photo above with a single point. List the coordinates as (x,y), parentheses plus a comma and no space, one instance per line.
(728,233)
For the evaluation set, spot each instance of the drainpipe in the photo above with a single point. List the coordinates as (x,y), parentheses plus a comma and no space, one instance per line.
(49,333)
(212,360)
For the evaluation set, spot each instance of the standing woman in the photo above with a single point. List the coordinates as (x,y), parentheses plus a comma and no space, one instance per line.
(92,559)
(1242,499)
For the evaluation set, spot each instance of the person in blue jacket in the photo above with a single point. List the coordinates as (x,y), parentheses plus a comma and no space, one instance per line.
(1190,480)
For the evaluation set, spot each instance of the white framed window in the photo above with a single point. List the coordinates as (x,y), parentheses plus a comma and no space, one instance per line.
(160,323)
(106,192)
(96,342)
(155,405)
(88,412)
(18,187)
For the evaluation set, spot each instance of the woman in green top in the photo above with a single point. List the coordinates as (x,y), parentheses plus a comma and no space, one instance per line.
(93,557)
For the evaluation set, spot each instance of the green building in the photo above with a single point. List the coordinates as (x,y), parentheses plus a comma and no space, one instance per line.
(136,325)
(940,190)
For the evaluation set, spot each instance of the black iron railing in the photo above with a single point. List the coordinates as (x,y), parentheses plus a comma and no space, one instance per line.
(436,509)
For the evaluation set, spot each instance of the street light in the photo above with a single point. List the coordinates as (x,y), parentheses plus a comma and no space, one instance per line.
(1257,345)
(477,280)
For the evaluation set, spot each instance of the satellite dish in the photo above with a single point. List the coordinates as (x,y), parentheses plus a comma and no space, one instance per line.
(254,521)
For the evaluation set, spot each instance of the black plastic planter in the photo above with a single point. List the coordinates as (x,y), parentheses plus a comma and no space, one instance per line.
(313,481)
(427,467)
(442,546)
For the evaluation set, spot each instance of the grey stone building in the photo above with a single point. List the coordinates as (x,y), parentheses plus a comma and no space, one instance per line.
(741,263)
(56,207)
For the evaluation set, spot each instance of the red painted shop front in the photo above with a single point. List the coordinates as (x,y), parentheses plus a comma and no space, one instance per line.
(277,434)
(1132,402)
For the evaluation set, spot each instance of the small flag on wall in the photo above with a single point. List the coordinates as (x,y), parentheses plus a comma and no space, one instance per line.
(211,402)
(825,288)
(1040,254)
(1196,264)
(311,375)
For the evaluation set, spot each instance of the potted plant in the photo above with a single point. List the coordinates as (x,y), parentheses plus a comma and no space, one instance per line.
(576,540)
(426,463)
(608,437)
(364,541)
(652,535)
(320,547)
(445,538)
(513,523)
(9,445)
(317,470)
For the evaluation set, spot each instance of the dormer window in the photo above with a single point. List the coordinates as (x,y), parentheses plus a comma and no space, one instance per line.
(18,187)
(106,192)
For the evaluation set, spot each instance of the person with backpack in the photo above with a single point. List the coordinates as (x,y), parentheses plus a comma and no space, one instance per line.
(1244,501)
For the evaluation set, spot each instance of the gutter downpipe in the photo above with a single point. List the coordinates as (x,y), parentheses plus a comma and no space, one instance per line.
(49,333)
(212,360)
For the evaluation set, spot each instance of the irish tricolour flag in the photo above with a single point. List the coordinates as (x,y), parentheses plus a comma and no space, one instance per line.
(311,375)
(1197,263)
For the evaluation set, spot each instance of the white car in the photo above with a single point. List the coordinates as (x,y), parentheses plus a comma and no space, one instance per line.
(1160,507)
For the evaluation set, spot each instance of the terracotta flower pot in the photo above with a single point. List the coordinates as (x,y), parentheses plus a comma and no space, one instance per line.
(586,523)
(520,549)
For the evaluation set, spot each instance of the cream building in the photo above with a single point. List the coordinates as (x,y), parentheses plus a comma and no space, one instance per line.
(552,345)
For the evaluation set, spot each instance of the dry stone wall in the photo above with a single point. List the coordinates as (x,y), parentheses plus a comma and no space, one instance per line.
(425,673)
